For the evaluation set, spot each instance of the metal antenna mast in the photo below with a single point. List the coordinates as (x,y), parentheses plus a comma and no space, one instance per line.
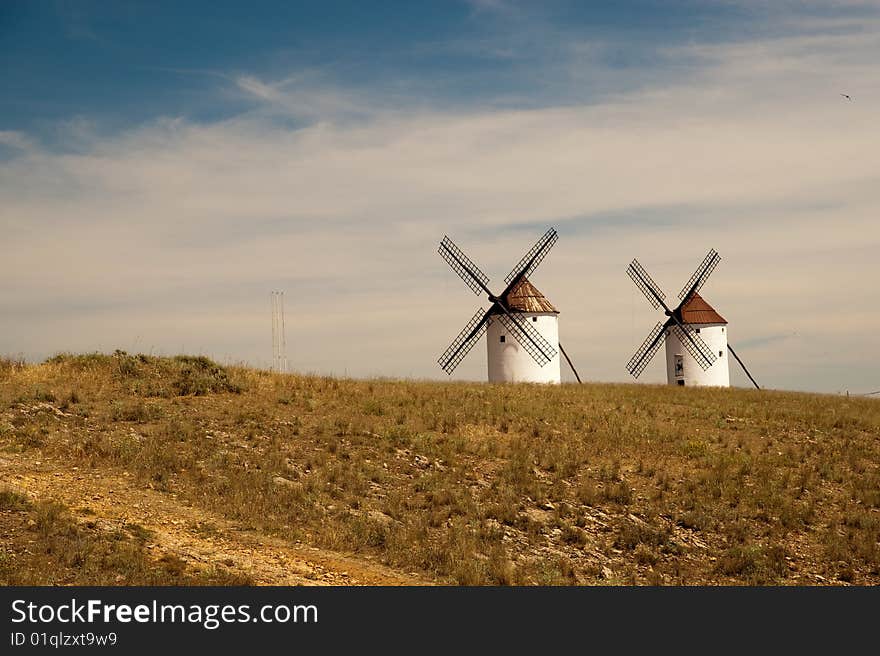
(284,339)
(279,340)
(274,333)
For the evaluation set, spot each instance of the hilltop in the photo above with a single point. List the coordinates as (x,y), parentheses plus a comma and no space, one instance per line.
(134,469)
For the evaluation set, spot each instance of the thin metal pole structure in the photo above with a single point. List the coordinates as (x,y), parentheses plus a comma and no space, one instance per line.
(568,359)
(275,341)
(733,353)
(283,338)
(272,303)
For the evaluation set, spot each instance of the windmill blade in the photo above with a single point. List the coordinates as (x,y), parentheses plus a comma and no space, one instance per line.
(529,338)
(646,284)
(741,364)
(695,345)
(463,266)
(461,345)
(646,351)
(533,258)
(701,275)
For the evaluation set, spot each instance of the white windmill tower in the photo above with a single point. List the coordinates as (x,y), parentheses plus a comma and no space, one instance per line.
(695,334)
(521,326)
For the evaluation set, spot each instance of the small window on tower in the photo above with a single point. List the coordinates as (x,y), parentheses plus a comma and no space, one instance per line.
(534,318)
(502,338)
(698,330)
(720,354)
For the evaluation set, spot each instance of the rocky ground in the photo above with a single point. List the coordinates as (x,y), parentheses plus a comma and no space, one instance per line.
(120,469)
(111,501)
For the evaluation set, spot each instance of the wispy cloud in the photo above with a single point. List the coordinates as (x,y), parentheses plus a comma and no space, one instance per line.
(490,5)
(174,232)
(259,88)
(15,139)
(301,97)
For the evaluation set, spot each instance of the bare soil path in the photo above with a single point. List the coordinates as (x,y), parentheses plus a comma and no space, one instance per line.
(114,500)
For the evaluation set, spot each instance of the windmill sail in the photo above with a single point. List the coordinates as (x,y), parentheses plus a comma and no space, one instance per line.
(463,266)
(695,345)
(701,275)
(645,353)
(464,342)
(534,257)
(518,300)
(692,310)
(529,338)
(645,283)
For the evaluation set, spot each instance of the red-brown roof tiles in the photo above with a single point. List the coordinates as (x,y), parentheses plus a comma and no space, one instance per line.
(698,311)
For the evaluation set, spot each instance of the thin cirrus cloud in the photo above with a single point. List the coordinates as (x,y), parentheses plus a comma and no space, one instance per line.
(168,236)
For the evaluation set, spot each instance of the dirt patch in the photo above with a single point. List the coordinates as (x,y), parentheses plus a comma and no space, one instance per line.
(112,501)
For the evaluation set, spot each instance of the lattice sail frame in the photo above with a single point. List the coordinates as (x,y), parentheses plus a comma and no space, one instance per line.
(646,352)
(534,256)
(645,283)
(473,330)
(704,356)
(462,265)
(529,338)
(692,342)
(701,275)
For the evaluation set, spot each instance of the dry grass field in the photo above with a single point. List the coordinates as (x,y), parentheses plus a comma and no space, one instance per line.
(123,469)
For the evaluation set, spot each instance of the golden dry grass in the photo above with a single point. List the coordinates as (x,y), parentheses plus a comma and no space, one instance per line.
(43,545)
(483,484)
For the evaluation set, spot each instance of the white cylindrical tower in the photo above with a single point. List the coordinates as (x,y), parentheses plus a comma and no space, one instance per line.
(681,367)
(509,361)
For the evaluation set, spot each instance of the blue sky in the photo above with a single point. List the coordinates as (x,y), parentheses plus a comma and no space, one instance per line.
(125,62)
(163,166)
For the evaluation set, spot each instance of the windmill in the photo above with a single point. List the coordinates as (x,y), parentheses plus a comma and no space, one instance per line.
(694,332)
(522,326)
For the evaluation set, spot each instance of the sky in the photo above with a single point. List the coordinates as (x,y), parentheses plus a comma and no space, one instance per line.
(164,166)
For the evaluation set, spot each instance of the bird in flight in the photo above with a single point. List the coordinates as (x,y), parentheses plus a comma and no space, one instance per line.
(846,96)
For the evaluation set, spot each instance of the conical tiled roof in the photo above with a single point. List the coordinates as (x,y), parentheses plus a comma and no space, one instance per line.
(696,311)
(525,297)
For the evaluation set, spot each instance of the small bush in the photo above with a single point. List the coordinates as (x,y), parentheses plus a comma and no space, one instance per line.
(199,375)
(45,395)
(755,564)
(127,365)
(11,500)
(632,534)
(136,411)
(9,365)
